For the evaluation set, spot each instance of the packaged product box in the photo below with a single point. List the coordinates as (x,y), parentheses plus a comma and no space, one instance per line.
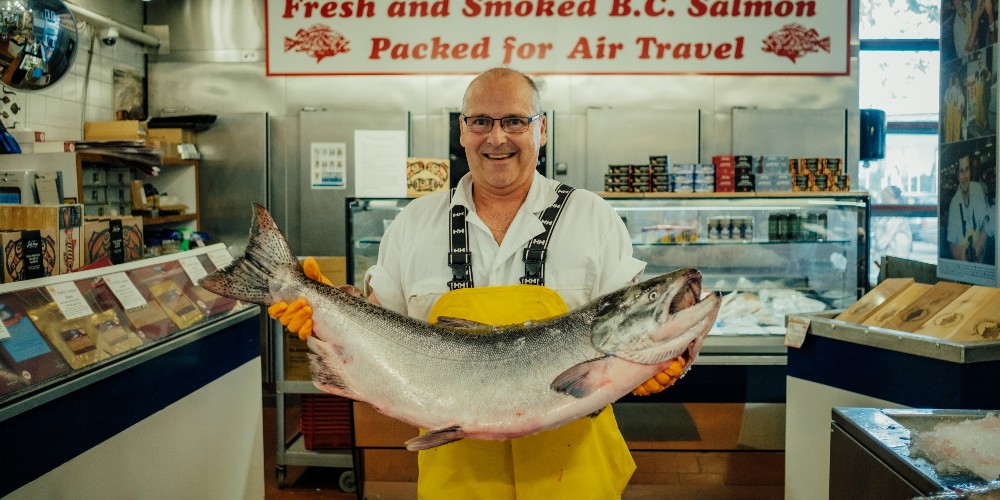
(168,285)
(915,314)
(120,130)
(28,254)
(26,352)
(75,339)
(118,238)
(957,320)
(10,382)
(66,221)
(427,175)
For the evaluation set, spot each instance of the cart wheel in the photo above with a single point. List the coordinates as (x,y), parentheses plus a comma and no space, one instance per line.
(347,481)
(279,471)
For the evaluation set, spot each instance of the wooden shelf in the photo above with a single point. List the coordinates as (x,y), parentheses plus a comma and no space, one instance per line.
(168,219)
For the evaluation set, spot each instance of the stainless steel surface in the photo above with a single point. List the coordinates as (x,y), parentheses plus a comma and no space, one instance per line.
(211,30)
(39,44)
(629,136)
(793,132)
(233,172)
(323,210)
(887,434)
(910,343)
(102,22)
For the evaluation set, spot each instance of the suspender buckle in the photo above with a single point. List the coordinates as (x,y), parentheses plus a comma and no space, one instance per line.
(459,259)
(534,260)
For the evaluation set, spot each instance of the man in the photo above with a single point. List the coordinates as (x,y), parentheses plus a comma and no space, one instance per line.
(463,254)
(969,226)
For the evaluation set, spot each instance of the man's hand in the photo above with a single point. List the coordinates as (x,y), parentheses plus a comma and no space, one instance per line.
(297,316)
(661,380)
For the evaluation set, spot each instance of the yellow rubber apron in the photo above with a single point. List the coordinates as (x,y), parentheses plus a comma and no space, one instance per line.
(584,459)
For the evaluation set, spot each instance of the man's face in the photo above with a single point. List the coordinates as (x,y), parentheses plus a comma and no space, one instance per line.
(964,175)
(498,160)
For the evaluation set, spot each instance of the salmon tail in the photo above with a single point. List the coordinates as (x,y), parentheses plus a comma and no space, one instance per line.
(249,278)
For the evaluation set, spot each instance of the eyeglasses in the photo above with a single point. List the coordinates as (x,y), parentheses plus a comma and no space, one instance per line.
(509,124)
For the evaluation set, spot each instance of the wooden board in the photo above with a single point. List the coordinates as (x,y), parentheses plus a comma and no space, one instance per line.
(873,300)
(927,305)
(953,316)
(896,304)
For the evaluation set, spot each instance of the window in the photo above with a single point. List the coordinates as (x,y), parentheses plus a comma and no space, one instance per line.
(899,73)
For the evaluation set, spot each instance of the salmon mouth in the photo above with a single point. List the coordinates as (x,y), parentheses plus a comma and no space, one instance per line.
(688,296)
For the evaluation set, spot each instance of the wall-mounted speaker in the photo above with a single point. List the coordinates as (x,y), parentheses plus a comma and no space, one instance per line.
(872,134)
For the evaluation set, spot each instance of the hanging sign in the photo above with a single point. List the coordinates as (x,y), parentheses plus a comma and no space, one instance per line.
(718,37)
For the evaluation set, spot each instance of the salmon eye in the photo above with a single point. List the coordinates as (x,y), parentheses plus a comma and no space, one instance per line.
(652,296)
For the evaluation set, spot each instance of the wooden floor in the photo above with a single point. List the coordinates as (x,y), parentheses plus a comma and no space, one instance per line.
(322,483)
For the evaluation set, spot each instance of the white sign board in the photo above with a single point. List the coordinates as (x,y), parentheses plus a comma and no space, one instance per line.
(718,37)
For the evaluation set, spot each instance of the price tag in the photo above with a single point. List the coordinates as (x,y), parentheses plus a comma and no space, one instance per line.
(125,291)
(220,257)
(70,300)
(795,331)
(4,334)
(192,266)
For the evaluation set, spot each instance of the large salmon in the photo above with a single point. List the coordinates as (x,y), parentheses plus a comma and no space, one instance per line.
(469,380)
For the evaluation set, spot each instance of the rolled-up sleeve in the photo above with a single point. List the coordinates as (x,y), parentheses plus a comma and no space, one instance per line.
(620,267)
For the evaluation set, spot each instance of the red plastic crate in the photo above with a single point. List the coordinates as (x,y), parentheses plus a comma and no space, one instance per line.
(325,422)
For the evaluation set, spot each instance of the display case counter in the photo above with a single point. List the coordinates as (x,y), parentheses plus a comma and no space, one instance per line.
(130,364)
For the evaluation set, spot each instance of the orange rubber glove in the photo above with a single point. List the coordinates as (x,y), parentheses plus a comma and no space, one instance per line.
(661,380)
(297,316)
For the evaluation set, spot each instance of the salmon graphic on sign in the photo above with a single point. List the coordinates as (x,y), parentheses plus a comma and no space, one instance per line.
(317,41)
(794,41)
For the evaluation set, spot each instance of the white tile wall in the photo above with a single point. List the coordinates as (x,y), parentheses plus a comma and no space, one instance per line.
(58,110)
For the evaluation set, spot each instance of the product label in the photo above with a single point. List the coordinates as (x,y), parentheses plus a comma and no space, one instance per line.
(124,290)
(69,299)
(34,249)
(116,244)
(795,331)
(192,266)
(25,342)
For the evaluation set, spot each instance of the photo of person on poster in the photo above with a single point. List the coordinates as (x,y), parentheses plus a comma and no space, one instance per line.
(980,92)
(967,26)
(968,183)
(954,123)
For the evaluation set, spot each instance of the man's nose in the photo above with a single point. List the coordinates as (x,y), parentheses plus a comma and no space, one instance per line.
(497,134)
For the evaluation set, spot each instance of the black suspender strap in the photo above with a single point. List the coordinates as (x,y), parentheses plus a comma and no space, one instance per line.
(459,256)
(535,253)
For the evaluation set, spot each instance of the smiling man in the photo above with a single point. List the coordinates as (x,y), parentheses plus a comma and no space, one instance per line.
(506,246)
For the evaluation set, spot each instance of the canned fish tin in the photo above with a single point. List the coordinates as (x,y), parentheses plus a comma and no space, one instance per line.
(659,160)
(704,169)
(704,187)
(619,169)
(821,181)
(801,183)
(681,169)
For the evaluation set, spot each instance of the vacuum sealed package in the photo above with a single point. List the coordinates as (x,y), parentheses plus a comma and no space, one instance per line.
(75,339)
(148,321)
(177,305)
(25,352)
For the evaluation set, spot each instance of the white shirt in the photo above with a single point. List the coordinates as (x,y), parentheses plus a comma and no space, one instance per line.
(589,252)
(977,210)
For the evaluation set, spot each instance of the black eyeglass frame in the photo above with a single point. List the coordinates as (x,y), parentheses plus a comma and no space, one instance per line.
(493,122)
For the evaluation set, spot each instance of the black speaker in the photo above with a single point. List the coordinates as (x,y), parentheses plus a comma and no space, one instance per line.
(872,134)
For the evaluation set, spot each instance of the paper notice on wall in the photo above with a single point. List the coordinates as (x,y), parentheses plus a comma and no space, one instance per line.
(380,163)
(328,165)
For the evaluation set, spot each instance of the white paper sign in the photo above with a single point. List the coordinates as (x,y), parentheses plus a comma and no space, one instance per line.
(328,165)
(125,291)
(795,331)
(380,163)
(192,266)
(220,258)
(4,334)
(69,300)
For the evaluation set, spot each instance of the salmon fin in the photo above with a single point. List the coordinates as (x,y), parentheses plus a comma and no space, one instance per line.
(435,438)
(248,277)
(582,379)
(596,413)
(465,324)
(325,374)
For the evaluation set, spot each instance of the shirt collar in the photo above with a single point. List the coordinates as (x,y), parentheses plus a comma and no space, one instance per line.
(539,197)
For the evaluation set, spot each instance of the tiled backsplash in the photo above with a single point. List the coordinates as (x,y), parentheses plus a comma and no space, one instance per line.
(58,110)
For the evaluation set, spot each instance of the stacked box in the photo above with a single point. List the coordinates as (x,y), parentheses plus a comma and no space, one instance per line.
(640,177)
(117,238)
(618,179)
(681,178)
(725,173)
(704,178)
(119,130)
(820,174)
(63,222)
(745,176)
(659,175)
(27,254)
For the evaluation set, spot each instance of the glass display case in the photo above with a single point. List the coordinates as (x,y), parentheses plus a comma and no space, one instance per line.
(62,332)
(769,254)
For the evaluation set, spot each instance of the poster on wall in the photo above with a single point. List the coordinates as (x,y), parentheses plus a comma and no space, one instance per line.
(328,165)
(967,171)
(717,37)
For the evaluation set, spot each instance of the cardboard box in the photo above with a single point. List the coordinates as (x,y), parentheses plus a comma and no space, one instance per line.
(65,223)
(118,238)
(334,268)
(27,254)
(174,135)
(122,130)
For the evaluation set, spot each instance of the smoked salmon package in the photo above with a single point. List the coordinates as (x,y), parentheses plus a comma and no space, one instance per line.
(149,321)
(24,350)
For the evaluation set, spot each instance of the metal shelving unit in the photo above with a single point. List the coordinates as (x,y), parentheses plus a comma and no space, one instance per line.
(292,451)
